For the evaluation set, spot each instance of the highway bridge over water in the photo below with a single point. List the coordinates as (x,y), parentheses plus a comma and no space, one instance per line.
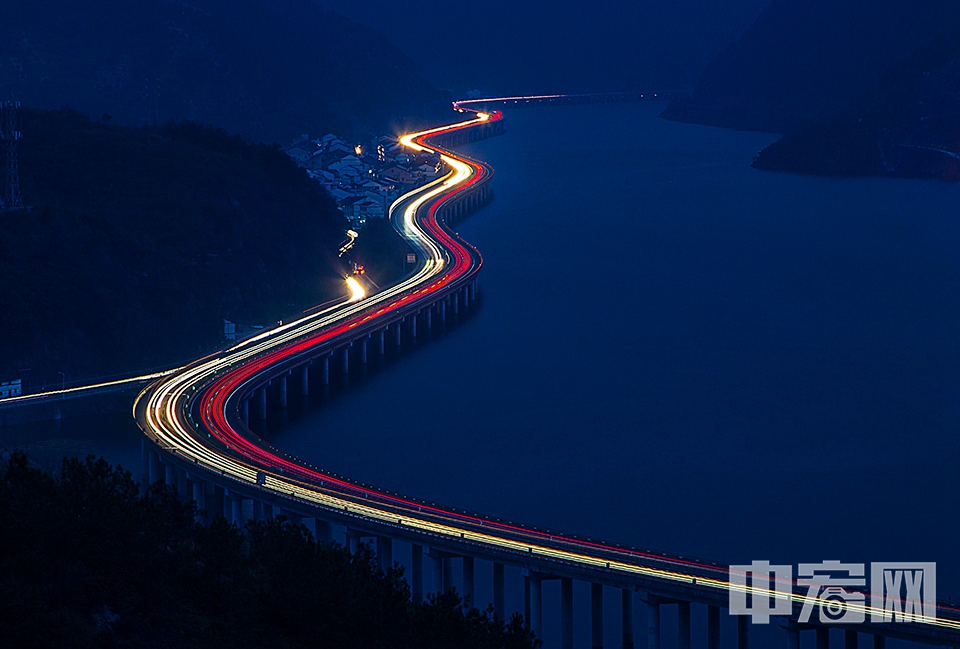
(198,439)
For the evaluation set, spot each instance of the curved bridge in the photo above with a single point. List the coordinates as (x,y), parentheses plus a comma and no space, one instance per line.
(198,439)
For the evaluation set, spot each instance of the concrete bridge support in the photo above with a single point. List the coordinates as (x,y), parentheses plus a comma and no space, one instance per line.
(626,618)
(653,622)
(182,484)
(743,632)
(170,475)
(380,346)
(823,637)
(258,513)
(323,530)
(199,488)
(596,615)
(305,380)
(325,369)
(283,391)
(398,332)
(455,300)
(533,603)
(793,634)
(262,398)
(363,350)
(468,581)
(498,591)
(436,562)
(294,518)
(683,624)
(713,627)
(346,358)
(443,310)
(429,316)
(566,613)
(352,539)
(413,326)
(245,412)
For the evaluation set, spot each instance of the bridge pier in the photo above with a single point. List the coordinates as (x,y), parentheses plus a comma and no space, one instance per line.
(363,350)
(352,539)
(429,316)
(653,622)
(245,412)
(380,347)
(823,637)
(596,614)
(346,358)
(851,639)
(626,618)
(413,326)
(793,634)
(436,560)
(262,397)
(468,581)
(199,492)
(466,296)
(216,502)
(443,310)
(305,379)
(743,632)
(533,603)
(169,475)
(566,613)
(294,518)
(325,369)
(397,328)
(183,489)
(283,391)
(416,572)
(498,591)
(257,513)
(455,301)
(683,624)
(323,530)
(713,627)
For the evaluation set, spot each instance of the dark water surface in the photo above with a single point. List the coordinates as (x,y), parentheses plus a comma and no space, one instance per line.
(678,351)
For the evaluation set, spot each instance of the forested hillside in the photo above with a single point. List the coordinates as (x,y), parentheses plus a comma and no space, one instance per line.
(141,240)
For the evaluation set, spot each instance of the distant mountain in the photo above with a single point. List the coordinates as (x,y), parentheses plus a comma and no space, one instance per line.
(806,59)
(907,124)
(858,86)
(265,69)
